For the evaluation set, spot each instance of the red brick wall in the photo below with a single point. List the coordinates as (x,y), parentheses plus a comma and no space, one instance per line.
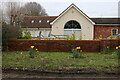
(104,30)
(61,45)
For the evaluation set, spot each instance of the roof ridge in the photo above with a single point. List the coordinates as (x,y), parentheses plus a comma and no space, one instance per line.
(41,16)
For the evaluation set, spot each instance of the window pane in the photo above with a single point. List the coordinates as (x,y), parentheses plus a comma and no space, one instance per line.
(114,31)
(73,31)
(72,25)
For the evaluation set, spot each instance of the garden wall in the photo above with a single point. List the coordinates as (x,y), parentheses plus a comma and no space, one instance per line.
(61,45)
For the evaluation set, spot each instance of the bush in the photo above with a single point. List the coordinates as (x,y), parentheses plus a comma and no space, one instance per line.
(76,53)
(68,37)
(80,37)
(20,34)
(107,50)
(32,52)
(118,51)
(8,32)
(27,35)
(73,36)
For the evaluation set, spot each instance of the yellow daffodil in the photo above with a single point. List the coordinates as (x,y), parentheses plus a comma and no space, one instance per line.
(119,46)
(116,47)
(32,46)
(77,47)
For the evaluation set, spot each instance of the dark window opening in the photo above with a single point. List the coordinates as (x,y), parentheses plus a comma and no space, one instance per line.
(72,25)
(114,31)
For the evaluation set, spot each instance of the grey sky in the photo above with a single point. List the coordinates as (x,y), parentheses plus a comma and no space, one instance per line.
(93,8)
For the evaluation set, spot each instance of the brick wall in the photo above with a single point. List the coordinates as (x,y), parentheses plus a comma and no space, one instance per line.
(61,45)
(104,30)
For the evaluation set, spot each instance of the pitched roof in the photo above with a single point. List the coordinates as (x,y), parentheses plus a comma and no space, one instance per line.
(27,22)
(106,20)
(73,5)
(38,21)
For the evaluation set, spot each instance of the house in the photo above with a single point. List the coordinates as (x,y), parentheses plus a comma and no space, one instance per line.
(71,21)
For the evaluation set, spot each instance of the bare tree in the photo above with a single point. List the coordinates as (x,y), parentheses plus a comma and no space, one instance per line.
(13,13)
(34,9)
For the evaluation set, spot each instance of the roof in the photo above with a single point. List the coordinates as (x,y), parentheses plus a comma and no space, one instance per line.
(73,5)
(27,21)
(106,20)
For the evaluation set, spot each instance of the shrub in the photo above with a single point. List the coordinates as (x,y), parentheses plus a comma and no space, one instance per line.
(68,37)
(107,50)
(80,38)
(27,35)
(118,51)
(32,52)
(76,53)
(73,36)
(9,31)
(20,35)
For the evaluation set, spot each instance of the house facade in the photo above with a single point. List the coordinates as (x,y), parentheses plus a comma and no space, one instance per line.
(71,21)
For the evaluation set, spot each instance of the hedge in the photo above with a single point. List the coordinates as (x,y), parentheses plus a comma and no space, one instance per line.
(61,45)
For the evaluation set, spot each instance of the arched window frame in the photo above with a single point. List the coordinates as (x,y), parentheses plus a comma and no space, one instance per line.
(72,23)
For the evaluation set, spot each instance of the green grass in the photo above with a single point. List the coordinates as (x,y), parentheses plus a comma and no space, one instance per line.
(58,60)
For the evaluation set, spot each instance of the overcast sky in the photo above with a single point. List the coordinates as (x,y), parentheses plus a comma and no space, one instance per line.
(92,8)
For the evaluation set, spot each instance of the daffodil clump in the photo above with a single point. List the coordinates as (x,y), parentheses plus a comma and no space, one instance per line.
(118,51)
(32,51)
(107,50)
(77,52)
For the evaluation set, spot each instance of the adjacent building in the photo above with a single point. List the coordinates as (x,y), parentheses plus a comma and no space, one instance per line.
(71,21)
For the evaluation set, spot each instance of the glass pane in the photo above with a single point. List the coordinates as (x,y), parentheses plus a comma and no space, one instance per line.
(72,25)
(70,32)
(114,31)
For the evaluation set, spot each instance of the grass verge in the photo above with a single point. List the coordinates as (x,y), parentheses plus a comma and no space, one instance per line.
(60,61)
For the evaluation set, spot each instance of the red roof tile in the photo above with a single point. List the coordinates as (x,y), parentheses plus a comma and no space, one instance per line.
(27,22)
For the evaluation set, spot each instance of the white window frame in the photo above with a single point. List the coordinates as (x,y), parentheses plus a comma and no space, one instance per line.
(116,31)
(72,30)
(40,21)
(32,21)
(48,21)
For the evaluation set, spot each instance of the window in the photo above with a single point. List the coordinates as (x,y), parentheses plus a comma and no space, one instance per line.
(32,21)
(48,21)
(114,31)
(72,25)
(40,21)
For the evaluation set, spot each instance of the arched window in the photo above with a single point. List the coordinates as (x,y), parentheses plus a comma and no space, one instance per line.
(72,25)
